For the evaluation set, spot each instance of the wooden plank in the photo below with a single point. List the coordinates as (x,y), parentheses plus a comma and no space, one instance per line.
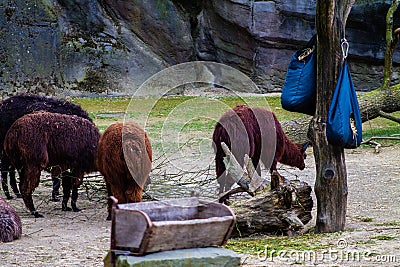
(181,202)
(234,169)
(217,209)
(130,227)
(173,213)
(168,210)
(214,209)
(188,234)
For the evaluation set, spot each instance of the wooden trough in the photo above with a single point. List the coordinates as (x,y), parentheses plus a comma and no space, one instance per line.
(146,227)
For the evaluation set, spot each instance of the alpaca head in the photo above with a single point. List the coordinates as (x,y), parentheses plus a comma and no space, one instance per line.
(298,161)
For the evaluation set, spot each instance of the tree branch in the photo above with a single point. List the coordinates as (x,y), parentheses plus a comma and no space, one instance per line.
(347,9)
(391,40)
(376,144)
(381,138)
(246,177)
(388,116)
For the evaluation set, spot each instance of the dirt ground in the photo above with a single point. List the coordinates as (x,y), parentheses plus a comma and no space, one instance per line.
(83,238)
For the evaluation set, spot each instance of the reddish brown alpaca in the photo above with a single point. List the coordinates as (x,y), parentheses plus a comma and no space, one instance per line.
(125,179)
(10,223)
(257,133)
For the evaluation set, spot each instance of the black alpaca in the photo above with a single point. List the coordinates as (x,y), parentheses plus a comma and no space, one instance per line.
(14,108)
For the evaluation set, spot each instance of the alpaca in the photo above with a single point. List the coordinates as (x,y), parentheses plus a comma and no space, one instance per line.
(257,133)
(124,177)
(17,106)
(10,223)
(52,141)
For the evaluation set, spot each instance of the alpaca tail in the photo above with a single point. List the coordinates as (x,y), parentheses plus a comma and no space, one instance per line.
(137,154)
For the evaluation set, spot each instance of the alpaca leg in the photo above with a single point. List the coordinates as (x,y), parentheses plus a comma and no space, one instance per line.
(133,193)
(13,183)
(109,201)
(74,197)
(4,184)
(56,188)
(119,194)
(6,168)
(67,185)
(4,173)
(29,180)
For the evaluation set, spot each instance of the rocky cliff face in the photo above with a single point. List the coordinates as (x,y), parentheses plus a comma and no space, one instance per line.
(108,46)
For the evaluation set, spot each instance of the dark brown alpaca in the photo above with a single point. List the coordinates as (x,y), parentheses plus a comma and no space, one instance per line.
(257,133)
(10,223)
(55,142)
(125,177)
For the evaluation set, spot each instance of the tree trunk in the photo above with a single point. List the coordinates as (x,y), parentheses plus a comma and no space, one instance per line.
(386,100)
(331,175)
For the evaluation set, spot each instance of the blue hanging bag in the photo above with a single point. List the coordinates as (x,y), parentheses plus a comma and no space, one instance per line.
(298,91)
(344,124)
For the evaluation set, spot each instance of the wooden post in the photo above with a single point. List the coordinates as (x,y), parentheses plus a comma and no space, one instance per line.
(331,175)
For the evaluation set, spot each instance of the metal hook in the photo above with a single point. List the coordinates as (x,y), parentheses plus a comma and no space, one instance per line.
(345,47)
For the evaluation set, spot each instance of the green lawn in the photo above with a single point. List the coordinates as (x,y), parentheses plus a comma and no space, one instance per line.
(381,127)
(266,245)
(198,113)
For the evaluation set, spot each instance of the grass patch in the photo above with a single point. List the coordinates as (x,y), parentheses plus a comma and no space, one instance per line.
(383,237)
(102,104)
(390,223)
(368,242)
(161,107)
(382,127)
(366,219)
(255,246)
(192,118)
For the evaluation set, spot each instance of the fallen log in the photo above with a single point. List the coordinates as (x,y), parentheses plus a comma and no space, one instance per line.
(284,210)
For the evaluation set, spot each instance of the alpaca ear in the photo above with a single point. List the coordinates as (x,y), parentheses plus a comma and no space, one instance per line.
(305,145)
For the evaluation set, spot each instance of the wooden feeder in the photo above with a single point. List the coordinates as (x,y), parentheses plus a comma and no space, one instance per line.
(146,227)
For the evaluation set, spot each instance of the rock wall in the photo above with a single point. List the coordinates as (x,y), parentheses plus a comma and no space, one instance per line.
(259,38)
(107,46)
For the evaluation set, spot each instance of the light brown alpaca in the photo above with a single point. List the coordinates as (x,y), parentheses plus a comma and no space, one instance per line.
(124,177)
